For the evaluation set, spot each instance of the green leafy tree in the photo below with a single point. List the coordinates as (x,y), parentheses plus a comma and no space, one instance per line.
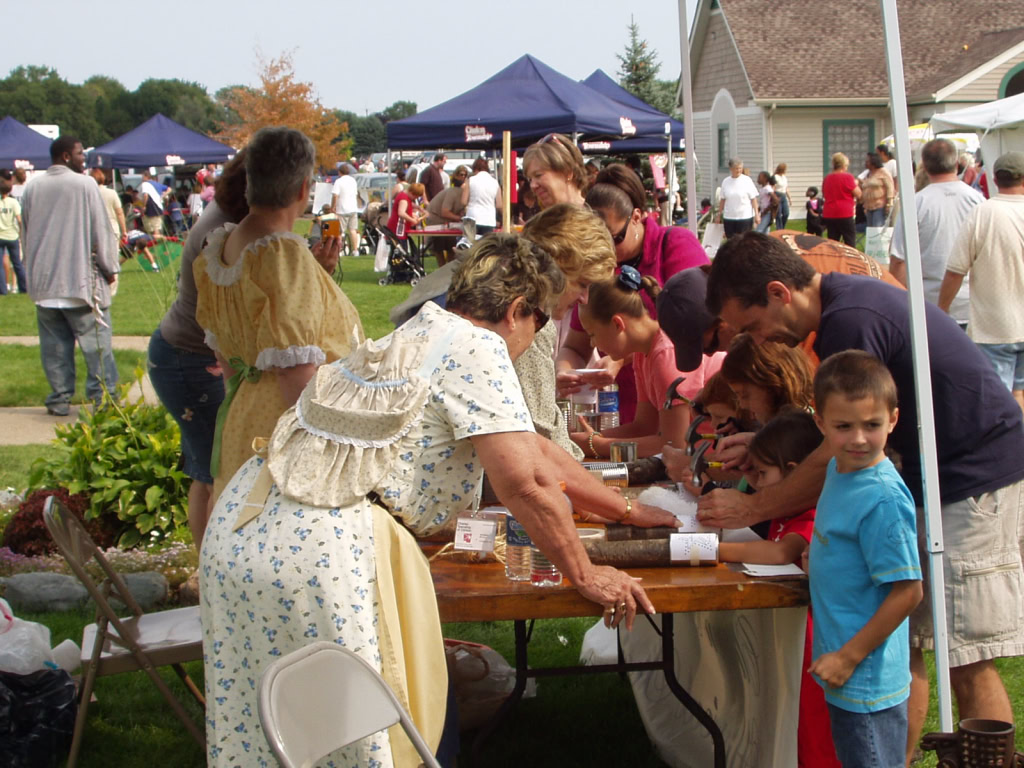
(184,102)
(638,73)
(40,95)
(367,133)
(397,111)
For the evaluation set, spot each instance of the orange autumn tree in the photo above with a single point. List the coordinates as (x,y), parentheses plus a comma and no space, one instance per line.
(280,99)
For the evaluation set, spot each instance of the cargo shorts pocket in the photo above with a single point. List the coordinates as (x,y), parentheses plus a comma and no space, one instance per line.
(987,595)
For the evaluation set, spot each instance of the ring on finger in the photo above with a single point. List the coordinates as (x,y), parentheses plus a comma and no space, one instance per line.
(610,610)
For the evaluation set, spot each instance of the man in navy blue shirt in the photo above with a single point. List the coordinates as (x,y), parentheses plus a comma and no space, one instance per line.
(760,286)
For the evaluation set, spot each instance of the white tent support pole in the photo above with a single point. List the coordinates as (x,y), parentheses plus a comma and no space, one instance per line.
(687,95)
(670,176)
(922,365)
(391,185)
(506,181)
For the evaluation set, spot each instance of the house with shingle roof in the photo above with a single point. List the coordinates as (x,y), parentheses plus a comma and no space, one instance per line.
(793,82)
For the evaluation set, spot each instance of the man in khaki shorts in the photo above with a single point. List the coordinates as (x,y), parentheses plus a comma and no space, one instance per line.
(760,286)
(151,194)
(345,203)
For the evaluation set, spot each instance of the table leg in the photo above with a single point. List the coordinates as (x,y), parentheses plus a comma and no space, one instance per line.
(522,672)
(668,659)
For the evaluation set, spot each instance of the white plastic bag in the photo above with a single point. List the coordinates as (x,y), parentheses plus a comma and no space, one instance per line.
(600,645)
(876,243)
(482,680)
(380,261)
(24,645)
(713,234)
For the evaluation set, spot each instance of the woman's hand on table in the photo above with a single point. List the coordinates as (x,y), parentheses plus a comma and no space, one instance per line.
(617,592)
(648,516)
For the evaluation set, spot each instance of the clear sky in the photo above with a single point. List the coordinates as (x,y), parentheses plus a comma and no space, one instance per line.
(361,56)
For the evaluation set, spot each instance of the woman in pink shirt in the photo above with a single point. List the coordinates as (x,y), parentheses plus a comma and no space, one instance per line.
(618,322)
(619,198)
(841,193)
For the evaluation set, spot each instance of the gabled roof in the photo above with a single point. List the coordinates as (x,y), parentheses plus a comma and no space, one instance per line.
(836,48)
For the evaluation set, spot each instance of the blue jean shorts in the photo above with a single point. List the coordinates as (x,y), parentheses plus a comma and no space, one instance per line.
(1008,360)
(192,395)
(870,739)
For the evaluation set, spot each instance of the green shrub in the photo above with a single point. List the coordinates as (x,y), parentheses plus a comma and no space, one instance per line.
(125,456)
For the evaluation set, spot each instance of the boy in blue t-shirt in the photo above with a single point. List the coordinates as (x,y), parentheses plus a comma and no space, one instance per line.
(865,576)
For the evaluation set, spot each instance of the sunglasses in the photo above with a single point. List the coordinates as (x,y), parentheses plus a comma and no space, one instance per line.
(617,239)
(540,318)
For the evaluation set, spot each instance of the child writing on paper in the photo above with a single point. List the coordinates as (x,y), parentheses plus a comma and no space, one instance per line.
(779,446)
(864,571)
(618,323)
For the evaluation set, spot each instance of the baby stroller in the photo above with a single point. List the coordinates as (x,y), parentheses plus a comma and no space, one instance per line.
(375,217)
(405,262)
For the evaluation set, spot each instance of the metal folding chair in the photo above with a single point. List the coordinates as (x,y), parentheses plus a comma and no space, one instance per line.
(113,645)
(323,697)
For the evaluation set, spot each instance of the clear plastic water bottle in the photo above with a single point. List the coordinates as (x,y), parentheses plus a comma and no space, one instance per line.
(608,406)
(517,550)
(544,573)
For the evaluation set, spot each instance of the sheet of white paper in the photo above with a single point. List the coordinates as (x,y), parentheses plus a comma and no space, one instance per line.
(753,569)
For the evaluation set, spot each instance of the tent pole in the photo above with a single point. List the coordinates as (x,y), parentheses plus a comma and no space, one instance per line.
(687,97)
(671,174)
(922,365)
(390,185)
(506,181)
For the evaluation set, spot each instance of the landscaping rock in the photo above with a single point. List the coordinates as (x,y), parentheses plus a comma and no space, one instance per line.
(188,592)
(149,589)
(41,592)
(9,498)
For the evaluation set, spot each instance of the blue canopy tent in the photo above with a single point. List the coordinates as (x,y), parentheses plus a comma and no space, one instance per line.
(159,141)
(528,98)
(649,122)
(21,147)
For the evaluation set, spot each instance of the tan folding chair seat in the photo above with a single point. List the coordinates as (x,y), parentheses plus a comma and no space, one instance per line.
(143,641)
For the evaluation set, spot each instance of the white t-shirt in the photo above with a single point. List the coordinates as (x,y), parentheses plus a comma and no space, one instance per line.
(942,210)
(738,194)
(890,166)
(345,189)
(991,247)
(483,191)
(781,184)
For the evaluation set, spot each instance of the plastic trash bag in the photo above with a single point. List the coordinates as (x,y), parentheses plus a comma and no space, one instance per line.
(482,680)
(37,718)
(24,645)
(600,645)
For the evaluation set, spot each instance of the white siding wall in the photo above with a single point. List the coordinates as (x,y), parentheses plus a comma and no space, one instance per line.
(701,138)
(750,139)
(798,141)
(986,87)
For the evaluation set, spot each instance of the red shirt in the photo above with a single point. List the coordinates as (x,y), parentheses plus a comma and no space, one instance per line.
(393,218)
(837,189)
(802,525)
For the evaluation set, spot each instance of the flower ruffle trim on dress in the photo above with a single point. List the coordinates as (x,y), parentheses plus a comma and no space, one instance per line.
(224,275)
(289,358)
(345,432)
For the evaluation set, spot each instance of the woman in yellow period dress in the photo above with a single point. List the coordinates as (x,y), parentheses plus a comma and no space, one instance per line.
(270,311)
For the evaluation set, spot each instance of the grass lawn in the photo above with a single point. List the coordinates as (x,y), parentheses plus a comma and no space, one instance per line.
(24,382)
(16,460)
(143,297)
(575,721)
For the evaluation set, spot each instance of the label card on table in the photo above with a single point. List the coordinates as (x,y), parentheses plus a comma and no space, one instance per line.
(475,533)
(693,548)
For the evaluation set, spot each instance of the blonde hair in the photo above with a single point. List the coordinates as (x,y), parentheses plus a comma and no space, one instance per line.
(557,153)
(615,297)
(840,161)
(785,372)
(499,269)
(576,239)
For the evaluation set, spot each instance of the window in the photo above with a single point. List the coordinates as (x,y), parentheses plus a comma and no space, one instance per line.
(723,146)
(1013,83)
(854,138)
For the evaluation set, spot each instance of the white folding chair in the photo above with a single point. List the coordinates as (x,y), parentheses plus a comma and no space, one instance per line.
(323,697)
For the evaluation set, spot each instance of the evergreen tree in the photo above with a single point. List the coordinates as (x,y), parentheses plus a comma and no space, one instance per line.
(638,68)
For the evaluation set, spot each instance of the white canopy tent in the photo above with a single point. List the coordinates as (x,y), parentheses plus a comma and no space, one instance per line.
(1000,123)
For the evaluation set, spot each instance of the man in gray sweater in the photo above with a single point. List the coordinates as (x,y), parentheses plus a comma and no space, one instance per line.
(71,263)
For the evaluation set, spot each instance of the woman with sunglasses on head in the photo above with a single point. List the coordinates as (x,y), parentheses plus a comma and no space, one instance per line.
(619,199)
(554,169)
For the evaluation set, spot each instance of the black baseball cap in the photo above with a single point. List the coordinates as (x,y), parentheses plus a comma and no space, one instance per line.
(684,317)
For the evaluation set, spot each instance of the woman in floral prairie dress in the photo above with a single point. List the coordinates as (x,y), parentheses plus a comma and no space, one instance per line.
(271,313)
(304,545)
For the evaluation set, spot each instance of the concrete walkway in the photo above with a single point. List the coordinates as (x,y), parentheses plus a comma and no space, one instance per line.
(32,424)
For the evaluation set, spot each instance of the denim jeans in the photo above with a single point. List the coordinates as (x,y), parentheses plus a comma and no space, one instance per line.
(875,218)
(870,739)
(58,331)
(192,395)
(782,215)
(765,223)
(1008,360)
(13,248)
